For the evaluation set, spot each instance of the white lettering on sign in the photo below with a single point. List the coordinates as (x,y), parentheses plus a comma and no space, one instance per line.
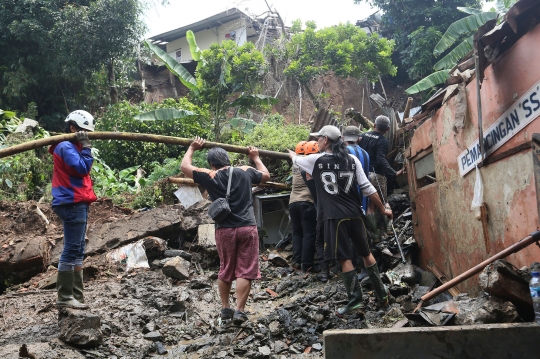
(523,112)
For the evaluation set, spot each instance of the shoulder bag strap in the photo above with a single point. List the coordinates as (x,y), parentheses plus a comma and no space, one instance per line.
(229,182)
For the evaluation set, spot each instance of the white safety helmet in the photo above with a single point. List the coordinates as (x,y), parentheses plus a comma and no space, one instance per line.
(83,119)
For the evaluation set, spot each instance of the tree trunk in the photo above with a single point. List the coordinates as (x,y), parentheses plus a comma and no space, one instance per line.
(112,82)
(141,137)
(316,102)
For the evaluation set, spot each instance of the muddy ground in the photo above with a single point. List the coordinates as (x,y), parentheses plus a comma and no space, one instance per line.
(145,313)
(186,315)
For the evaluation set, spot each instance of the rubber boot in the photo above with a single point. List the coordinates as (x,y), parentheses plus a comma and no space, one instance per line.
(371,221)
(64,288)
(354,292)
(78,286)
(324,274)
(381,292)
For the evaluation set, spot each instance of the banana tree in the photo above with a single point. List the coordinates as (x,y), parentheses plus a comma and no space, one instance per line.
(462,30)
(222,71)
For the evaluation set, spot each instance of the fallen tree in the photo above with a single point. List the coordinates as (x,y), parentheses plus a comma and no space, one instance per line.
(126,136)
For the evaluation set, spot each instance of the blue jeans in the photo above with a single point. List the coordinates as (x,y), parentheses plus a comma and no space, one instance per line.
(74,218)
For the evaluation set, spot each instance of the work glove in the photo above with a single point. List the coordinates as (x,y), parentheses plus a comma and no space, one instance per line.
(83,139)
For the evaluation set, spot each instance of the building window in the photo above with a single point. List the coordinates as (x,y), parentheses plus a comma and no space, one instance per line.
(424,170)
(178,55)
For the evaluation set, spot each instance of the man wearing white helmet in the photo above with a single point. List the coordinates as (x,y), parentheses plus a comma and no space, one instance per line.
(72,194)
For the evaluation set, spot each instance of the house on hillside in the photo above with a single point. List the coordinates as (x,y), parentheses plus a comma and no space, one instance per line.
(231,24)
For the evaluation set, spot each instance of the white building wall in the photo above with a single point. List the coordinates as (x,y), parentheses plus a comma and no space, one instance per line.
(207,37)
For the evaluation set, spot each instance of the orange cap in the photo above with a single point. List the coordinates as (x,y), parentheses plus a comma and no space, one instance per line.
(311,147)
(300,148)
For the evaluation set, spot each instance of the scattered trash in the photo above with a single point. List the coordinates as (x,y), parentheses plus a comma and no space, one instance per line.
(133,255)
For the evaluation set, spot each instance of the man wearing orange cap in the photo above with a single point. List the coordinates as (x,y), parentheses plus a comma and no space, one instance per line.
(303,218)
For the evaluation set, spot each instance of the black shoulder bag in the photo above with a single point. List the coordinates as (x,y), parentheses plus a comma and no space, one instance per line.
(219,209)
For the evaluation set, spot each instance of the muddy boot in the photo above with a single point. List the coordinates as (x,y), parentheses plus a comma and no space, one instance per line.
(324,274)
(354,292)
(371,222)
(64,288)
(78,286)
(381,292)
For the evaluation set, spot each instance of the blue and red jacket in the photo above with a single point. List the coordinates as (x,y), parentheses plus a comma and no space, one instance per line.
(71,182)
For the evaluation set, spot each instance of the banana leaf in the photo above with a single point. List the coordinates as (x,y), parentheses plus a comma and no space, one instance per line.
(174,66)
(164,114)
(7,114)
(460,28)
(457,53)
(428,82)
(196,53)
(243,124)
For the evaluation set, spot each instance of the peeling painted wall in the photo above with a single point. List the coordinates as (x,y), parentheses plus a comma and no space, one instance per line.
(445,227)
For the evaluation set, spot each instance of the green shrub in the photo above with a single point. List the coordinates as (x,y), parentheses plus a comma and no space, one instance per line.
(25,175)
(122,154)
(161,192)
(273,135)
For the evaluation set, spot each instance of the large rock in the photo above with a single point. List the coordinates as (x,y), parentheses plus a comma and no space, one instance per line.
(80,327)
(160,222)
(177,268)
(483,310)
(503,281)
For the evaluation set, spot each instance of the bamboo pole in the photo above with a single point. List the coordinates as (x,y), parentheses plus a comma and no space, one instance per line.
(126,136)
(189,182)
(527,241)
(408,106)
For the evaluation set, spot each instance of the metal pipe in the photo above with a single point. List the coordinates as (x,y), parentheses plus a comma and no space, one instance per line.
(126,136)
(525,242)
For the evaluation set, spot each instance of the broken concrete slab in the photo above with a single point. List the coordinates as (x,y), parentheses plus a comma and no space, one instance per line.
(80,327)
(502,280)
(207,235)
(177,268)
(475,341)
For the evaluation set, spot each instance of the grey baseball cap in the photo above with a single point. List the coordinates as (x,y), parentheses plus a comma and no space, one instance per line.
(332,132)
(351,133)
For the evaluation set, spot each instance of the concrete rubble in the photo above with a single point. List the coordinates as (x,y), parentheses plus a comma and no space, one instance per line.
(172,308)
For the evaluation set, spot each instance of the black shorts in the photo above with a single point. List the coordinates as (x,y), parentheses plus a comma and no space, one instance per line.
(344,236)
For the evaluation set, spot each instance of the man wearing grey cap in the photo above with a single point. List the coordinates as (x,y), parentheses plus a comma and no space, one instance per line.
(336,174)
(376,145)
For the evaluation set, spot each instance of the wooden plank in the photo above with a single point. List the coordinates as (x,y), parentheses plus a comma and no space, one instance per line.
(443,278)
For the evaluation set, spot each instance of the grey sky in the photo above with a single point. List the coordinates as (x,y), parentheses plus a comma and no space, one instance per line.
(325,12)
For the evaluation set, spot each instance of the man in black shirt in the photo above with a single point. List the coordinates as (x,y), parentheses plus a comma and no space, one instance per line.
(237,239)
(336,174)
(376,145)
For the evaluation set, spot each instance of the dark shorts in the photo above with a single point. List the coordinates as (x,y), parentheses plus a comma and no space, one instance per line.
(344,236)
(238,250)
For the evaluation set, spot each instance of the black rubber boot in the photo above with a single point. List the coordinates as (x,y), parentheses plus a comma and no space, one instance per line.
(64,288)
(381,292)
(78,286)
(324,274)
(371,222)
(354,292)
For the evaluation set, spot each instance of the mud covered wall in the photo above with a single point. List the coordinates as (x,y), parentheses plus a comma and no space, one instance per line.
(445,227)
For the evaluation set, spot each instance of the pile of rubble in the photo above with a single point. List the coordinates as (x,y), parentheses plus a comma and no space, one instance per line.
(171,308)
